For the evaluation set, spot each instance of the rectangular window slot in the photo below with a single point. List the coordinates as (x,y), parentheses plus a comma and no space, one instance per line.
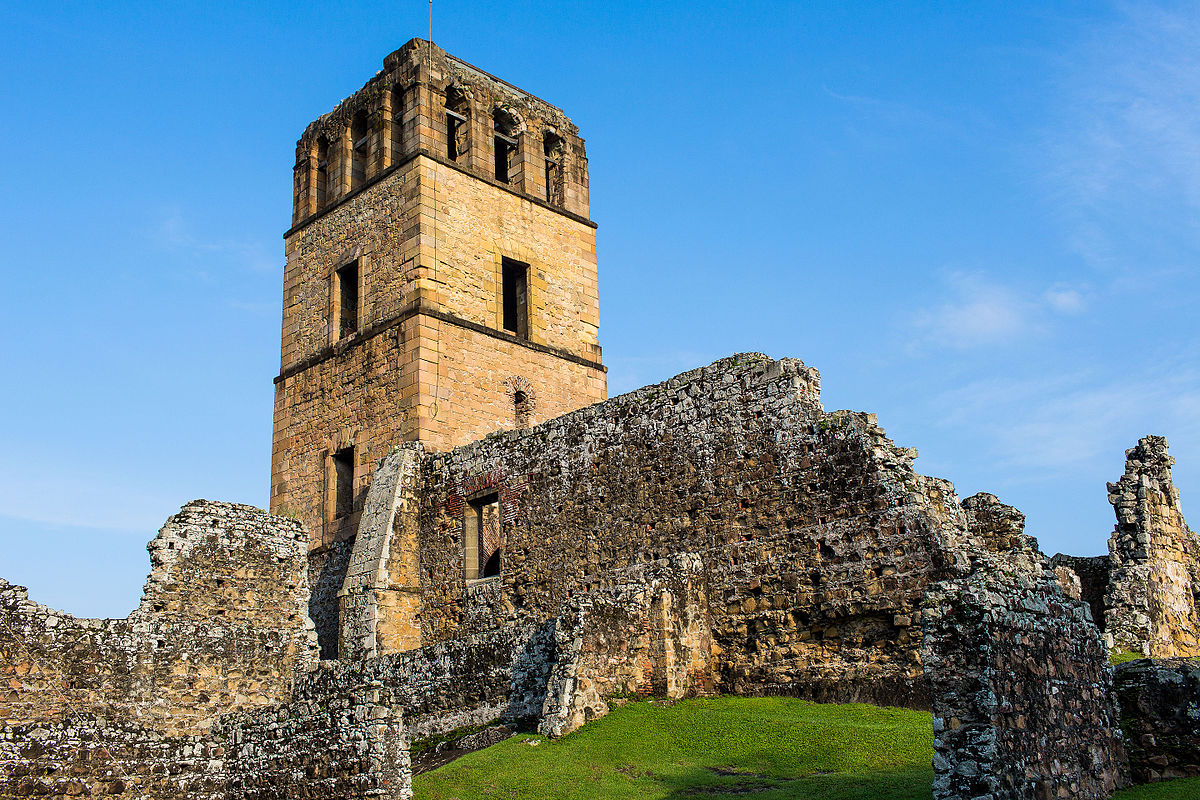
(456,135)
(343,480)
(506,147)
(347,295)
(515,299)
(481,538)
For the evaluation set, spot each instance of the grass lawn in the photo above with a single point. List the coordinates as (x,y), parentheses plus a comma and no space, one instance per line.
(725,747)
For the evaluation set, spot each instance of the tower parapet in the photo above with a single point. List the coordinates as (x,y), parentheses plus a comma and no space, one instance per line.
(441,279)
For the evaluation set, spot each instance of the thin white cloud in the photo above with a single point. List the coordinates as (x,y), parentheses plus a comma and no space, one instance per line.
(975,311)
(1124,149)
(1050,427)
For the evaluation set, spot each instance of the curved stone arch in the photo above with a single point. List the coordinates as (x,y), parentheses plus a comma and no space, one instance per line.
(522,399)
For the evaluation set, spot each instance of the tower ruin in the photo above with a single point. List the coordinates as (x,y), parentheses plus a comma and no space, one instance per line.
(441,279)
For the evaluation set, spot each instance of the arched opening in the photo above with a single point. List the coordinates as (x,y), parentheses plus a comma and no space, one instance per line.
(552,149)
(505,129)
(397,133)
(321,189)
(360,138)
(522,409)
(457,130)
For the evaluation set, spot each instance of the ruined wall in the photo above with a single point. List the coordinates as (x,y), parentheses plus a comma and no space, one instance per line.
(497,674)
(645,630)
(1151,603)
(1160,715)
(201,692)
(819,538)
(1021,688)
(222,626)
(1092,575)
(332,746)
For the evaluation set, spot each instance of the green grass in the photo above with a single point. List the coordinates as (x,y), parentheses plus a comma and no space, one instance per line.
(713,748)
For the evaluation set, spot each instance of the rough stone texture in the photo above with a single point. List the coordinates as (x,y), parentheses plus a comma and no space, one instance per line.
(1151,604)
(1022,691)
(201,691)
(645,632)
(1091,573)
(429,359)
(383,583)
(327,567)
(497,674)
(818,537)
(222,626)
(1160,715)
(327,747)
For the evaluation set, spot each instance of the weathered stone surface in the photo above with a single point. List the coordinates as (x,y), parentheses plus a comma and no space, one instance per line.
(1154,579)
(644,631)
(1091,574)
(202,691)
(1160,715)
(222,626)
(1021,688)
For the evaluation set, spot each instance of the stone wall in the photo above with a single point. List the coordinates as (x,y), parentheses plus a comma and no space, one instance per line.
(818,538)
(1021,688)
(1151,602)
(1092,574)
(202,691)
(332,746)
(222,626)
(1160,715)
(645,631)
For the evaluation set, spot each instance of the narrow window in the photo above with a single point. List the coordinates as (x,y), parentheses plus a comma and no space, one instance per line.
(457,141)
(481,538)
(322,171)
(360,136)
(343,482)
(347,295)
(505,128)
(522,409)
(552,146)
(515,300)
(397,123)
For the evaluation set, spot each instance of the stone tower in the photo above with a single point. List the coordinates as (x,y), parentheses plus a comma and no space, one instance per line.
(440,282)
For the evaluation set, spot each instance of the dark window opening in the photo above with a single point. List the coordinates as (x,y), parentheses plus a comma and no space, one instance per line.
(552,146)
(506,145)
(360,136)
(522,409)
(482,538)
(457,140)
(343,482)
(515,300)
(347,291)
(397,124)
(322,171)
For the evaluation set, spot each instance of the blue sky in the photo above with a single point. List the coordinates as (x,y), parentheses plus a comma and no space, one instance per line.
(980,221)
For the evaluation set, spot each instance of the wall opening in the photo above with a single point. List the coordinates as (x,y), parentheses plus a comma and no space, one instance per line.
(506,150)
(346,293)
(343,482)
(515,297)
(360,138)
(552,147)
(481,537)
(457,130)
(522,409)
(322,181)
(397,132)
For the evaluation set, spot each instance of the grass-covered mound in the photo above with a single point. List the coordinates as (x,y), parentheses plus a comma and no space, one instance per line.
(726,747)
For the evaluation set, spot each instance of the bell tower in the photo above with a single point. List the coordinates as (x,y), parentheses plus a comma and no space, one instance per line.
(440,284)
